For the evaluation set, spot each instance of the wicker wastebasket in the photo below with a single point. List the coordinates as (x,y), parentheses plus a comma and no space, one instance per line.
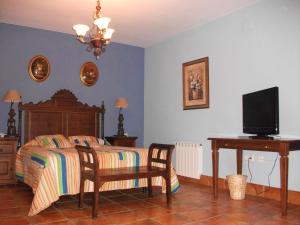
(237,186)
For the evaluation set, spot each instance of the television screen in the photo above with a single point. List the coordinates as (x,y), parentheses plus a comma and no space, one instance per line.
(261,112)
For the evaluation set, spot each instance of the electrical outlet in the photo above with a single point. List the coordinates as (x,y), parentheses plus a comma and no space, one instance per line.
(260,158)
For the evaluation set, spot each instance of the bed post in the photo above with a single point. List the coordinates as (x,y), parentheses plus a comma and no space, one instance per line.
(102,119)
(20,125)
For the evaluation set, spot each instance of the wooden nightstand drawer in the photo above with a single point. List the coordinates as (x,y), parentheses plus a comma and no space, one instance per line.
(6,168)
(6,149)
(122,141)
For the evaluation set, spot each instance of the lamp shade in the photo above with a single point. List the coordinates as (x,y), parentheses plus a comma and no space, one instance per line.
(108,33)
(12,96)
(102,22)
(121,103)
(81,29)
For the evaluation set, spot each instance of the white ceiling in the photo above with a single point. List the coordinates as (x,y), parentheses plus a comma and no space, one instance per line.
(137,22)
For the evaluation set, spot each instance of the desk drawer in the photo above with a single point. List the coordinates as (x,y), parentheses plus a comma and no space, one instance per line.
(6,149)
(259,145)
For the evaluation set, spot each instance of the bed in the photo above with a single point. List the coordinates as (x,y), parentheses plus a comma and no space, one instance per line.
(62,114)
(54,172)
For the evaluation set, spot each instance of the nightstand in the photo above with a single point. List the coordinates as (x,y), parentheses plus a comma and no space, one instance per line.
(8,149)
(122,141)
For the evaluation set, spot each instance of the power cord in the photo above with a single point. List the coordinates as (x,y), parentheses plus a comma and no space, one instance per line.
(249,169)
(269,175)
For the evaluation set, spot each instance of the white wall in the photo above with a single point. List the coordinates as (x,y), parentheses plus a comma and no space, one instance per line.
(255,48)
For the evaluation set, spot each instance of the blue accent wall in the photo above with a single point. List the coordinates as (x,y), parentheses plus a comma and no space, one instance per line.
(121,74)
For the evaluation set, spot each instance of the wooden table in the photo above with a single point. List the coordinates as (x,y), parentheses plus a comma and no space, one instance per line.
(282,146)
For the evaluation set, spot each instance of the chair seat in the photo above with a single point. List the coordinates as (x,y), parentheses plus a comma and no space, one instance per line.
(128,173)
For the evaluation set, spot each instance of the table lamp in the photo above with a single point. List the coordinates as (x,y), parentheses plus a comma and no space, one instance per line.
(11,96)
(121,103)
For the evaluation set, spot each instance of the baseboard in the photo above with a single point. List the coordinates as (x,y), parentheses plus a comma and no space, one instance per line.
(252,189)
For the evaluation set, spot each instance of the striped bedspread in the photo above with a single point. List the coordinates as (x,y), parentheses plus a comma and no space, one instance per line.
(53,173)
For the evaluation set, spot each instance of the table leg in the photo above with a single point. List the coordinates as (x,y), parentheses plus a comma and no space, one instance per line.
(215,164)
(284,164)
(239,161)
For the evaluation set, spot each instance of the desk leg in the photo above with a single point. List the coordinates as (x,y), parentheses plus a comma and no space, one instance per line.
(215,164)
(284,165)
(239,161)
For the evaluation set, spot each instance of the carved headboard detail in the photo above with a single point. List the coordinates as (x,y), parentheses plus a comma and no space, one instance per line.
(62,114)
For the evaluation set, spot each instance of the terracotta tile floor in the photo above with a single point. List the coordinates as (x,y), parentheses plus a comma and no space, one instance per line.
(191,205)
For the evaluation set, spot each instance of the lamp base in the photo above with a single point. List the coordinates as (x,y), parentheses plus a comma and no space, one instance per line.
(120,125)
(11,131)
(11,128)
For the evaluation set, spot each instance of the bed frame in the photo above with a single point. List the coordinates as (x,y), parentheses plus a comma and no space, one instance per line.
(62,114)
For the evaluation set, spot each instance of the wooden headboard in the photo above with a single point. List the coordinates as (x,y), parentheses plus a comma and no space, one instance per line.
(62,114)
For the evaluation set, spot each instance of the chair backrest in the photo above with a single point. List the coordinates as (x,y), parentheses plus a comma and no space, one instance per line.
(157,158)
(88,159)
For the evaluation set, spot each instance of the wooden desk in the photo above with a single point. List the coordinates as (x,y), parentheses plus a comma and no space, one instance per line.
(282,146)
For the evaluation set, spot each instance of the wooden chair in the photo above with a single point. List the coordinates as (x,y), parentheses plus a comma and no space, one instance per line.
(89,169)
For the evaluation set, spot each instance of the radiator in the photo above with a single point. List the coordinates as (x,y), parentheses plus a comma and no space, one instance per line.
(189,159)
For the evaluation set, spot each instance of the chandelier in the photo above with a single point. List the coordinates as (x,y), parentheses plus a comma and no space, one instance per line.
(99,36)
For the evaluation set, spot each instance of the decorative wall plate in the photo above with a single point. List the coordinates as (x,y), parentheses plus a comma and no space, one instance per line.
(39,68)
(89,73)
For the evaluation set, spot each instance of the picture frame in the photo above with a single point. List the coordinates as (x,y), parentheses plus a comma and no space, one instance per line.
(89,74)
(195,81)
(39,68)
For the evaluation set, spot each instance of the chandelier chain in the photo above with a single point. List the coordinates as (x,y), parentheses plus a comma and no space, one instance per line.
(98,10)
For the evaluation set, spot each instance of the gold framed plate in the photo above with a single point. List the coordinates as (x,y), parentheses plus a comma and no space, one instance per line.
(89,73)
(39,68)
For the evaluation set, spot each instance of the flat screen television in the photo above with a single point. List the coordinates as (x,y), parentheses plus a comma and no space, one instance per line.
(261,112)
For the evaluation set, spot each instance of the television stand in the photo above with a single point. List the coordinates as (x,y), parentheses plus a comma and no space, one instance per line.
(282,146)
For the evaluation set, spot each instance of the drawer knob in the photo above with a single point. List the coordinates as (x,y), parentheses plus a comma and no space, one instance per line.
(266,146)
(226,145)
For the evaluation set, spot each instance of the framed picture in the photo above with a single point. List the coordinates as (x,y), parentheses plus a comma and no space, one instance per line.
(195,84)
(89,73)
(39,68)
